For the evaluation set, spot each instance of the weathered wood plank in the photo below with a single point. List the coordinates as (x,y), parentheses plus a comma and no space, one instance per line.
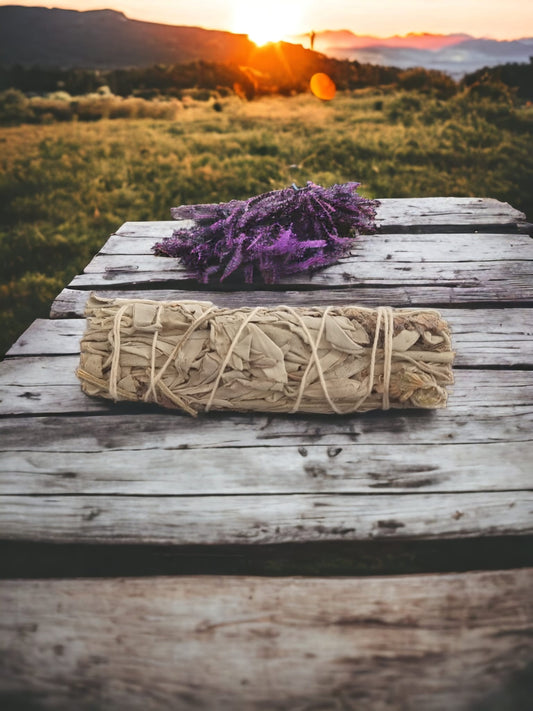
(436,212)
(253,519)
(450,211)
(70,303)
(493,337)
(363,268)
(260,470)
(48,384)
(144,430)
(49,337)
(156,230)
(454,247)
(49,400)
(455,641)
(480,278)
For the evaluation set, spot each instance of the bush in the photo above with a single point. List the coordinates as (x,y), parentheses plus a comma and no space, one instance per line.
(14,107)
(494,91)
(47,110)
(518,76)
(428,82)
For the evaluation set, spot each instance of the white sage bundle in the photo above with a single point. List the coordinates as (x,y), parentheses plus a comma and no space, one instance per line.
(196,357)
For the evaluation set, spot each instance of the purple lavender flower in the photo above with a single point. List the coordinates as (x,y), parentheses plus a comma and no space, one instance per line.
(273,235)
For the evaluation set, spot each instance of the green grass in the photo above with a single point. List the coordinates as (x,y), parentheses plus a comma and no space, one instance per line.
(64,187)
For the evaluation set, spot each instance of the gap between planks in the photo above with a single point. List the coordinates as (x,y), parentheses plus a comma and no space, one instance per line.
(25,559)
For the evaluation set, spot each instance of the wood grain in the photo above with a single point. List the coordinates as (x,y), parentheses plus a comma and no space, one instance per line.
(432,642)
(447,247)
(449,211)
(253,519)
(70,303)
(106,270)
(504,340)
(490,422)
(275,468)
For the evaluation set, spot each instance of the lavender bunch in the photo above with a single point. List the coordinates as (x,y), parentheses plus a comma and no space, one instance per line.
(275,234)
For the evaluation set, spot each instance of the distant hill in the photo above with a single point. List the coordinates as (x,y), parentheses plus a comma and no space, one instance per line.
(107,39)
(456,54)
(345,39)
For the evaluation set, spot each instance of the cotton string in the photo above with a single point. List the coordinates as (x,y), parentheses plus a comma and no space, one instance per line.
(228,356)
(115,360)
(316,358)
(388,334)
(157,327)
(383,313)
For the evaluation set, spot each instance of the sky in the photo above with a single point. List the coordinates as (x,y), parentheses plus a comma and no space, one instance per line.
(511,19)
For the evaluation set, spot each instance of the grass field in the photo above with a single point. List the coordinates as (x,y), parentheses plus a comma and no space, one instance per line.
(64,187)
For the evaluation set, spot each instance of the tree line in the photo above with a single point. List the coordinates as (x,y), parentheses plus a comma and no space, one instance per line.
(268,74)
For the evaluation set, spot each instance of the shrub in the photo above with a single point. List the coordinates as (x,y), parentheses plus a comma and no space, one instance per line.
(14,107)
(47,110)
(494,91)
(428,81)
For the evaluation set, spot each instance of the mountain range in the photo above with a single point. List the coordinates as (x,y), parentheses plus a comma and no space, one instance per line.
(456,54)
(107,39)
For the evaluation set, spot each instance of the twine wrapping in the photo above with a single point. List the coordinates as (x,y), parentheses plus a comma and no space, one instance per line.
(196,357)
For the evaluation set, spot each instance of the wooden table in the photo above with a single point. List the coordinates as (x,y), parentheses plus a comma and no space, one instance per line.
(156,561)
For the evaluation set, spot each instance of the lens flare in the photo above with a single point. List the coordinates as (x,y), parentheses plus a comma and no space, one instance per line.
(323,87)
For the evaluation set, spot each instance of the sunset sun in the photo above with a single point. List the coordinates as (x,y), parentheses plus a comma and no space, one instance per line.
(266,22)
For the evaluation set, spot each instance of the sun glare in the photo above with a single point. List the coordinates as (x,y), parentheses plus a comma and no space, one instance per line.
(265,22)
